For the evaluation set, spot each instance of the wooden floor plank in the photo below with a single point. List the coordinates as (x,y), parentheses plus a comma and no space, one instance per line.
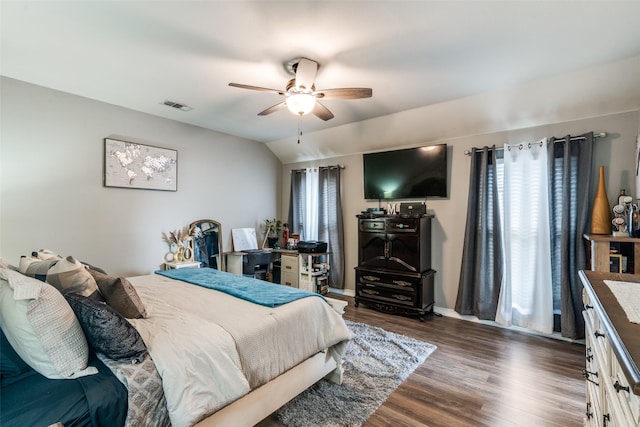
(481,376)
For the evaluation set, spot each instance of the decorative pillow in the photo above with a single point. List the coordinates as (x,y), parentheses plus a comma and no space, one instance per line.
(106,330)
(41,327)
(68,275)
(36,268)
(120,294)
(46,255)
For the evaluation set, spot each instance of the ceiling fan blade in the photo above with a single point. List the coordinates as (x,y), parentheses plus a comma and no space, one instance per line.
(345,93)
(261,89)
(306,73)
(322,112)
(273,109)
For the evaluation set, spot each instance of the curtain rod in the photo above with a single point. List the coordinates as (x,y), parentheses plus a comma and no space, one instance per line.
(572,138)
(320,167)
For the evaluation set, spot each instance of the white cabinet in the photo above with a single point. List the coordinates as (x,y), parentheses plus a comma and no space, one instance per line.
(611,343)
(289,269)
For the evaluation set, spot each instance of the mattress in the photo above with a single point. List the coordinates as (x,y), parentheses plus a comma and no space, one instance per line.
(211,348)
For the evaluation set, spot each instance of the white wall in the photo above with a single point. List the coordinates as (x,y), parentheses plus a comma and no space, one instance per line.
(616,152)
(51,158)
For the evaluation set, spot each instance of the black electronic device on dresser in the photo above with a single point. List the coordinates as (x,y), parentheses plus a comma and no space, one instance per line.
(394,272)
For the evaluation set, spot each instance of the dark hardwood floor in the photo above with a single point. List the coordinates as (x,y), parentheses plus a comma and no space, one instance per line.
(481,376)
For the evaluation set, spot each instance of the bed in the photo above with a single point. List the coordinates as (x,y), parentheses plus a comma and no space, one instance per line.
(217,359)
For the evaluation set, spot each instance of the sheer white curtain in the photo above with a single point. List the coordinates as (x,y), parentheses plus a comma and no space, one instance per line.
(526,297)
(310,230)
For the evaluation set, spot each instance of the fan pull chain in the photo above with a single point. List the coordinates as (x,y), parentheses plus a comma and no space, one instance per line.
(299,130)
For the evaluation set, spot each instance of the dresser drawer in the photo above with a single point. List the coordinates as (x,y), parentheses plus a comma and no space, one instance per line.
(629,401)
(383,294)
(289,279)
(394,281)
(289,264)
(599,345)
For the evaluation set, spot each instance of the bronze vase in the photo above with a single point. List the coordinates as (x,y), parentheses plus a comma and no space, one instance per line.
(601,213)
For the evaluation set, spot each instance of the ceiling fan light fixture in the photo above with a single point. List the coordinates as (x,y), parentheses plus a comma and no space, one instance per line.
(301,103)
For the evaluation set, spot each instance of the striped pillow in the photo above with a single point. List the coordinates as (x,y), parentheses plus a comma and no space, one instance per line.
(36,268)
(69,275)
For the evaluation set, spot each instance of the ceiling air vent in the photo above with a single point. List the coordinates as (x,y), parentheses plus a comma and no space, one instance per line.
(177,105)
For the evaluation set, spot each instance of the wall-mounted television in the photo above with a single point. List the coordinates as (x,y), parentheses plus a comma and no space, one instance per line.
(406,174)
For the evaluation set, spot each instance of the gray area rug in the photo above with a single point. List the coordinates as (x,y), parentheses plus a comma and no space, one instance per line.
(376,363)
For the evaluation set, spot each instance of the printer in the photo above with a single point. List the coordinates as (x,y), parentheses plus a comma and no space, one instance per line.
(312,247)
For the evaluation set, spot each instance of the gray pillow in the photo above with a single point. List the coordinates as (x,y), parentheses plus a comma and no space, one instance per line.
(106,330)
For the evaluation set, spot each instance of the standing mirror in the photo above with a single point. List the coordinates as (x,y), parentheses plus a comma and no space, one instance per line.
(207,243)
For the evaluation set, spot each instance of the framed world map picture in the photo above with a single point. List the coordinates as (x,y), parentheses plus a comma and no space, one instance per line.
(133,165)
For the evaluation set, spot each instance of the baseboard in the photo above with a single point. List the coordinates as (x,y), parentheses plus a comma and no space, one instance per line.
(454,314)
(447,312)
(345,292)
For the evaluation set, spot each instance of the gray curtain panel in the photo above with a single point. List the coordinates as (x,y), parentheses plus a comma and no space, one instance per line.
(481,272)
(330,226)
(570,169)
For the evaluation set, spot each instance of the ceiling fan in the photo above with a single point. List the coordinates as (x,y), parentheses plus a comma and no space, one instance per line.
(301,94)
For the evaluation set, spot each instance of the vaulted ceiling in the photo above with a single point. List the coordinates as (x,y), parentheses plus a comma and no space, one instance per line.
(137,54)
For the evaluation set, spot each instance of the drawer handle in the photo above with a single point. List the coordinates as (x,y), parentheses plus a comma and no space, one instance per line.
(370,292)
(371,278)
(401,283)
(589,355)
(288,267)
(586,374)
(620,387)
(588,413)
(402,298)
(599,334)
(588,307)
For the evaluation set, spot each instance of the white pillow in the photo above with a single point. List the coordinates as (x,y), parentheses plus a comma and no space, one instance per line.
(41,327)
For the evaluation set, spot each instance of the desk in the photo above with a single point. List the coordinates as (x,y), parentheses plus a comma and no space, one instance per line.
(308,271)
(233,262)
(249,263)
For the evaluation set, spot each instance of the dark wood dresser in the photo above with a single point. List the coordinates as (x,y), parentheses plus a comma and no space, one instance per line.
(394,271)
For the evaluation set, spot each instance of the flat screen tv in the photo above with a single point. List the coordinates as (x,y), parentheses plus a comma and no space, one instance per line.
(406,174)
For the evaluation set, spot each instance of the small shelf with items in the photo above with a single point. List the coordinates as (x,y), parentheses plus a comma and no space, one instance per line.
(613,254)
(313,272)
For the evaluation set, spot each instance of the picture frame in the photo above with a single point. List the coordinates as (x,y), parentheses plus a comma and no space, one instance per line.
(139,166)
(615,263)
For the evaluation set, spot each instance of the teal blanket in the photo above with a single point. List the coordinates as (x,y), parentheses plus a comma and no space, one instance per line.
(247,288)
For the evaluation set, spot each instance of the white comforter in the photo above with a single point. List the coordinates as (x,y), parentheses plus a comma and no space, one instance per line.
(211,348)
